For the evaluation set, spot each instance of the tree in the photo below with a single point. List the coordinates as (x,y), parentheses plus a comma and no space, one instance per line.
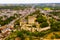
(57,36)
(41,19)
(19,34)
(17,24)
(44,24)
(55,26)
(17,15)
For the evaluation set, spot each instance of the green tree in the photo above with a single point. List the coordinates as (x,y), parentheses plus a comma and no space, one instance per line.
(55,26)
(41,19)
(44,24)
(57,36)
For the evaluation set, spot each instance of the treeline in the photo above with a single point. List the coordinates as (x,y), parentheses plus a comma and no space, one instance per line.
(12,7)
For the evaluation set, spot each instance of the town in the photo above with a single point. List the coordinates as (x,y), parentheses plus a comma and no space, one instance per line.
(29,24)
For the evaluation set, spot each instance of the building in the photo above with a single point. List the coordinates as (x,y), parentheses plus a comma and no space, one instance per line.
(31,19)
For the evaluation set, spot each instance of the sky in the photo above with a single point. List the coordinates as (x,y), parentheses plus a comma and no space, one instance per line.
(27,1)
